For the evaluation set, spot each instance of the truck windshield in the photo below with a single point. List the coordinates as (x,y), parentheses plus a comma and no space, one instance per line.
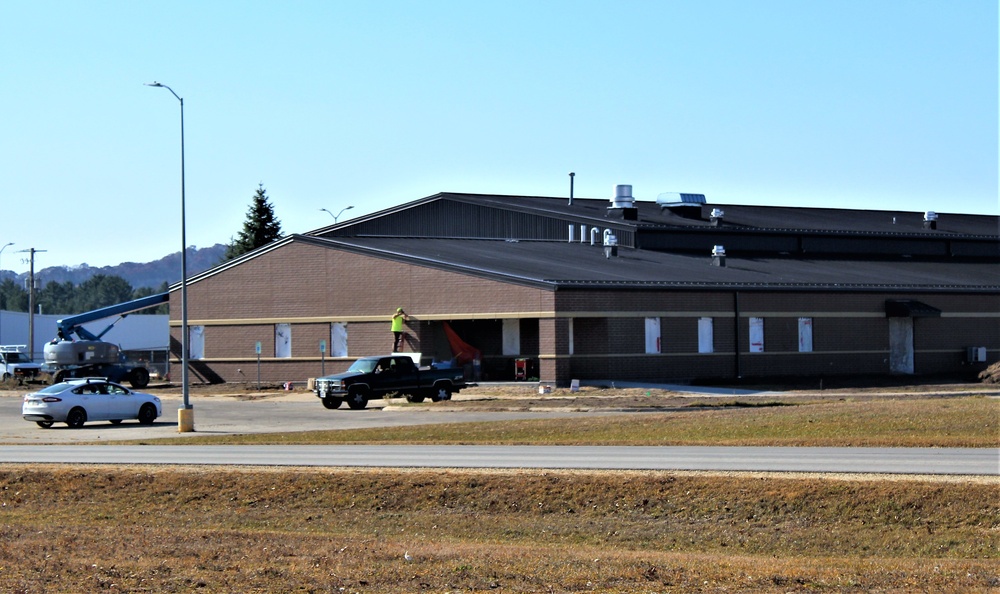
(16,358)
(363,365)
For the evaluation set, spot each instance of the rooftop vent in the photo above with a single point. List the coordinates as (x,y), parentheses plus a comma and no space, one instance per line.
(610,244)
(930,220)
(682,205)
(623,196)
(719,256)
(716,216)
(678,199)
(623,205)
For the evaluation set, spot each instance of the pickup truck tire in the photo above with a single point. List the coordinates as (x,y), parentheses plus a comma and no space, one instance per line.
(415,398)
(332,403)
(357,398)
(441,392)
(6,376)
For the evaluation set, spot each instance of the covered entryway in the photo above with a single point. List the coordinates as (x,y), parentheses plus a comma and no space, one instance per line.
(901,313)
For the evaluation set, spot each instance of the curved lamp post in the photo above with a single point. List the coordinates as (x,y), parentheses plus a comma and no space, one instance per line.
(336,216)
(1,280)
(185,414)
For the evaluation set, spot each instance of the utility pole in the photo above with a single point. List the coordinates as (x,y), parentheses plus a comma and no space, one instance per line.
(31,301)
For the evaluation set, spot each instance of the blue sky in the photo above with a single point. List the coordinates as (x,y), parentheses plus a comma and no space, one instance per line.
(874,104)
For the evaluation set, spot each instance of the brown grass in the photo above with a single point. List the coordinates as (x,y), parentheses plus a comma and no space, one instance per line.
(319,530)
(911,422)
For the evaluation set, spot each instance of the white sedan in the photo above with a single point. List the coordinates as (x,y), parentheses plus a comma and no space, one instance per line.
(77,401)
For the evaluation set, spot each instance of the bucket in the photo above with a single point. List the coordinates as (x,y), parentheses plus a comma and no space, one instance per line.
(544,389)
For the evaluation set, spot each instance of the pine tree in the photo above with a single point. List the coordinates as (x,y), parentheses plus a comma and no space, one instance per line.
(260,228)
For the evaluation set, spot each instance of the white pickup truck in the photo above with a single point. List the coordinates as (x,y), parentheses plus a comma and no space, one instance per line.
(15,363)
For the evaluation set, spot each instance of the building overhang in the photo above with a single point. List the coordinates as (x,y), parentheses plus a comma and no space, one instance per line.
(910,308)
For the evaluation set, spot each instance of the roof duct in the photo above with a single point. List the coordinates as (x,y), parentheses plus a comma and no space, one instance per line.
(678,199)
(681,204)
(623,196)
(930,220)
(623,205)
(719,256)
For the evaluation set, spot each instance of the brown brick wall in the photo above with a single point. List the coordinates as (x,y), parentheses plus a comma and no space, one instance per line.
(299,280)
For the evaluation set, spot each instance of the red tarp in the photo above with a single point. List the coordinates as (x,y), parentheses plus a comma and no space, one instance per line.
(463,352)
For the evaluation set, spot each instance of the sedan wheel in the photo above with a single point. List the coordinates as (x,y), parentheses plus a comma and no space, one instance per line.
(44,424)
(147,414)
(76,418)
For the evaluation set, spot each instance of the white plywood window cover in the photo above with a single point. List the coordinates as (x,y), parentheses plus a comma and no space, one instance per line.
(756,335)
(571,336)
(283,341)
(196,342)
(512,337)
(338,339)
(805,335)
(706,336)
(652,336)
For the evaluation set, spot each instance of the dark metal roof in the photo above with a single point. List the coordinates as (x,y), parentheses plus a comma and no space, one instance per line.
(649,213)
(751,230)
(564,265)
(525,240)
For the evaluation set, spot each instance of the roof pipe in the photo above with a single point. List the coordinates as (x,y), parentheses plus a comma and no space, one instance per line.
(571,176)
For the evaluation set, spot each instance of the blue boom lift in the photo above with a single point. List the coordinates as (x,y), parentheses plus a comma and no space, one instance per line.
(89,356)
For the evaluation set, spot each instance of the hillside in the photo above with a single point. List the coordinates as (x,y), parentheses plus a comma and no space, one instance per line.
(148,274)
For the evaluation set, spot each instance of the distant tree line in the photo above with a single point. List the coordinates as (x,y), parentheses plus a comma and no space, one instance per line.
(260,228)
(66,298)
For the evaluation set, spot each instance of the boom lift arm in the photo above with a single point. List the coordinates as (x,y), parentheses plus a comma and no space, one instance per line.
(67,327)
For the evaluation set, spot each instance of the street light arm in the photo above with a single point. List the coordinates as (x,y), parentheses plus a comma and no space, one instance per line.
(156,84)
(337,216)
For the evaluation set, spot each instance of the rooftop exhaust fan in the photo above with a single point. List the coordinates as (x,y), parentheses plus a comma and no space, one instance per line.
(719,256)
(930,220)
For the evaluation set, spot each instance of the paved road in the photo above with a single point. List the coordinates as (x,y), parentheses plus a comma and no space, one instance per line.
(954,461)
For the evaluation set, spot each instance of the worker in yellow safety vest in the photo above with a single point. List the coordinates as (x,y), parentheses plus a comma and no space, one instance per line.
(397,328)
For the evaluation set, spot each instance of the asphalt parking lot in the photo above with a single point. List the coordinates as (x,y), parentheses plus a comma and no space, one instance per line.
(221,415)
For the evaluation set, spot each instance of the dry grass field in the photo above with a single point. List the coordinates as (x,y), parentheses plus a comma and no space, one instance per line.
(196,529)
(145,529)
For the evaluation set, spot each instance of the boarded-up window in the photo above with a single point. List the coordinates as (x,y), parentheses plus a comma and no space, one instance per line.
(805,335)
(512,337)
(706,336)
(570,336)
(756,335)
(338,339)
(652,335)
(196,342)
(283,341)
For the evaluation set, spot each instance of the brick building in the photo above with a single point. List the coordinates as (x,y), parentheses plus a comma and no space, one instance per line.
(556,289)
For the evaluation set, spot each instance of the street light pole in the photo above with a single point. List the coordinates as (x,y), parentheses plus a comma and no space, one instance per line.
(1,281)
(185,414)
(336,216)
